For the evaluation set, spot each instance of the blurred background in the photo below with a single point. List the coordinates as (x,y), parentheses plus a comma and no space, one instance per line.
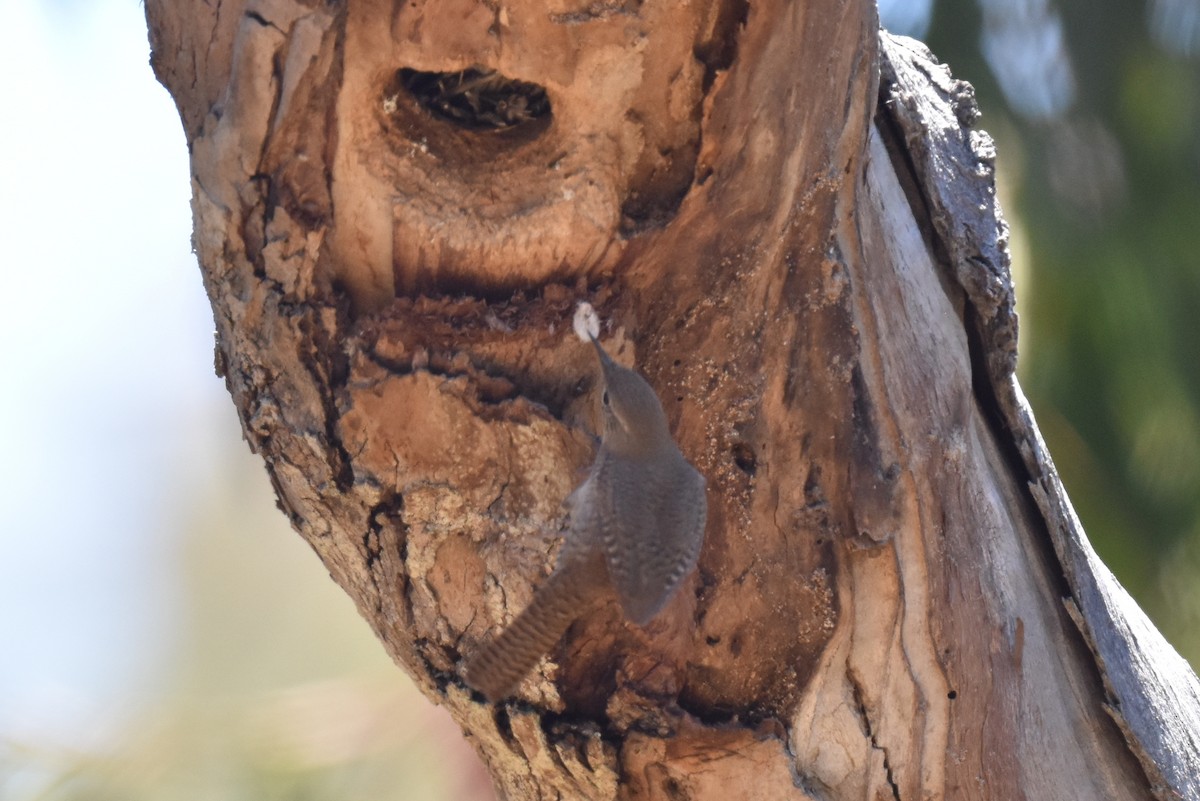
(164,635)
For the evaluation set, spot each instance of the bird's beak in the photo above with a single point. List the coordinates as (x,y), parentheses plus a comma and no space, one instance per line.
(605,360)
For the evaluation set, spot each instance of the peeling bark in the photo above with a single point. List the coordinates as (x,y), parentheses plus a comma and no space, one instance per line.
(790,228)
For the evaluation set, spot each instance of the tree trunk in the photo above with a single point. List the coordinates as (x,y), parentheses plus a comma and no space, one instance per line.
(789,227)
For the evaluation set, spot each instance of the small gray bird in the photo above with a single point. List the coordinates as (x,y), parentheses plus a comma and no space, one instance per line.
(636,525)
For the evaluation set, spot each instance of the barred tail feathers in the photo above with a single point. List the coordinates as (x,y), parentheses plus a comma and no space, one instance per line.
(497,668)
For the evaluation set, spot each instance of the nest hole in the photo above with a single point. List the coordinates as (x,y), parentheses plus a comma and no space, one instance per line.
(476,99)
(744,458)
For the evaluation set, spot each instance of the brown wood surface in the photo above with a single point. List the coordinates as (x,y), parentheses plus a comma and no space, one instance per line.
(894,599)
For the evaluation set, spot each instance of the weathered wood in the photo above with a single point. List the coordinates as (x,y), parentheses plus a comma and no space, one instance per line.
(816,284)
(1150,691)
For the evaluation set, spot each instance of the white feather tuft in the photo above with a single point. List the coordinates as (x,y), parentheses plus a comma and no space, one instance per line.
(587,322)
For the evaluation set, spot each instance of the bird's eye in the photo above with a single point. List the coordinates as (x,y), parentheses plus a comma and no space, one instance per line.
(604,398)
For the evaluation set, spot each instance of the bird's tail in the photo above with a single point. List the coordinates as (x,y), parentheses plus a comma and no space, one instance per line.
(497,668)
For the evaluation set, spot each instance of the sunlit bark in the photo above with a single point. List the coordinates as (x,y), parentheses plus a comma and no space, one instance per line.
(789,227)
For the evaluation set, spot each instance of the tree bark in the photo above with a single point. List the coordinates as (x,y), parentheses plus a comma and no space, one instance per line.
(789,226)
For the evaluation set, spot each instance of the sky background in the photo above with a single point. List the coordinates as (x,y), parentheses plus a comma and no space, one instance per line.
(110,417)
(166,635)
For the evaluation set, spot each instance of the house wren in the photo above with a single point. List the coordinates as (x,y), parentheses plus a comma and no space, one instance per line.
(636,525)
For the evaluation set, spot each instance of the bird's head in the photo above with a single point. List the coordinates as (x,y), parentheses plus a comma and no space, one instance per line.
(634,420)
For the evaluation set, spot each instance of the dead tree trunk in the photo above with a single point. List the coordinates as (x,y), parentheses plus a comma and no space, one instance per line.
(790,227)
